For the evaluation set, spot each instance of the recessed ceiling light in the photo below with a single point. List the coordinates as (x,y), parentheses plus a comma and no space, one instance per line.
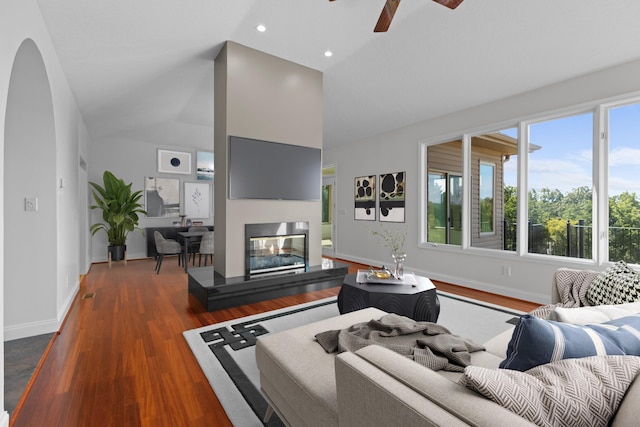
(328,53)
(261,28)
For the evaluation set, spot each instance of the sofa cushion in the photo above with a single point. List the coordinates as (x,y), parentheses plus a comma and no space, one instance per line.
(298,376)
(617,284)
(572,392)
(595,314)
(536,341)
(498,344)
(396,386)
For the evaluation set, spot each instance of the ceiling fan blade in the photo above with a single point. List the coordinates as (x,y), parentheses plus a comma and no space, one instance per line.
(386,16)
(451,4)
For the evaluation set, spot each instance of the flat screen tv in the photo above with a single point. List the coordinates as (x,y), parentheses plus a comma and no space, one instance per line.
(271,170)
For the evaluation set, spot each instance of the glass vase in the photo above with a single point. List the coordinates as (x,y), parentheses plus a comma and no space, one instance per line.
(399,261)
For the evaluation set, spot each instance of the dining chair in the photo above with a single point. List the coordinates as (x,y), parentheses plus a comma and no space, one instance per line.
(206,248)
(195,246)
(165,247)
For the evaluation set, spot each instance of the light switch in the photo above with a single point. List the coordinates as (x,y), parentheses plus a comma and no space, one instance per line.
(31,204)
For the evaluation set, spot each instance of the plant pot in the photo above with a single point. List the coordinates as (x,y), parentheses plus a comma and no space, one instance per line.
(117,252)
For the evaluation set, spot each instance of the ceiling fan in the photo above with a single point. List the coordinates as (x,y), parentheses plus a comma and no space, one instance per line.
(390,9)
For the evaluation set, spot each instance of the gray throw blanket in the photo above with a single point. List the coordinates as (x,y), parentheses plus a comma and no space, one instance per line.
(426,343)
(572,288)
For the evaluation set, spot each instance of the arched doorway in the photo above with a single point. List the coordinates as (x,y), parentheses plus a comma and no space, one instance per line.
(30,237)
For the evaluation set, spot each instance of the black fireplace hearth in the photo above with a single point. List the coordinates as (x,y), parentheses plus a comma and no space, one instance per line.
(213,292)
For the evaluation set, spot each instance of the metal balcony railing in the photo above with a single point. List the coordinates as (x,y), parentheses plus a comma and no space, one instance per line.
(577,241)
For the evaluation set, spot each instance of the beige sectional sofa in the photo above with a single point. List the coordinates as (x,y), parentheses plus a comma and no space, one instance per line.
(377,387)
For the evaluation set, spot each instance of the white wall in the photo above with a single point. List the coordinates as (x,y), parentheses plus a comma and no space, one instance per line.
(399,151)
(20,20)
(29,146)
(133,161)
(84,241)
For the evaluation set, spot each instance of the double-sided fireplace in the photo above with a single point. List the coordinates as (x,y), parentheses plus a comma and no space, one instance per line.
(276,248)
(277,265)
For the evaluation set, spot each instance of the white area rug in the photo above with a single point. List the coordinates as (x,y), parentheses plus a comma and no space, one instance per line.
(233,374)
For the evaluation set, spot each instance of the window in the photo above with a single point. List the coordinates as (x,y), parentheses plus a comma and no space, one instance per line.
(445,208)
(327,202)
(624,186)
(564,159)
(494,184)
(486,190)
(560,186)
(444,193)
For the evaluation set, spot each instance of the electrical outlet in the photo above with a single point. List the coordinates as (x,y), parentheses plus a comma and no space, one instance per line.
(31,204)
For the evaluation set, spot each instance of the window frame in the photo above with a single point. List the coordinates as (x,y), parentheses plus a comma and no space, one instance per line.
(601,133)
(600,190)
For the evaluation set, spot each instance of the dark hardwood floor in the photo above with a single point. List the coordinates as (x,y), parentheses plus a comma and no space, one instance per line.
(120,358)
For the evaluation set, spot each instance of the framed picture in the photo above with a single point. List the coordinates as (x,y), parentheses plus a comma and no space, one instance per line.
(174,162)
(204,165)
(365,198)
(392,192)
(196,200)
(162,197)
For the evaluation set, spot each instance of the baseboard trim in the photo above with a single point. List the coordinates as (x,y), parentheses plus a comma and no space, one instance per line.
(473,284)
(62,313)
(46,326)
(31,329)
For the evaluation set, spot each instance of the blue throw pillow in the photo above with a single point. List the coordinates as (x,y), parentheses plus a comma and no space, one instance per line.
(537,342)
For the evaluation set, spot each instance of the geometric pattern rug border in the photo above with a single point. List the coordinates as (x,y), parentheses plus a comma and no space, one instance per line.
(243,335)
(234,336)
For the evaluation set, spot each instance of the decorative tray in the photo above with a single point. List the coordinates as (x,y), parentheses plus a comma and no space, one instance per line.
(377,277)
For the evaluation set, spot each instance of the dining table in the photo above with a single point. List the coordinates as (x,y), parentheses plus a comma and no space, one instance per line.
(185,238)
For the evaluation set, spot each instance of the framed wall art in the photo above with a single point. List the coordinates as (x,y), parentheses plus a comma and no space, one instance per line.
(204,165)
(392,197)
(162,197)
(196,200)
(174,162)
(365,198)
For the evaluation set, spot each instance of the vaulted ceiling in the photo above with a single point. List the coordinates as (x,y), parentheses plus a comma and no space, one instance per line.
(142,70)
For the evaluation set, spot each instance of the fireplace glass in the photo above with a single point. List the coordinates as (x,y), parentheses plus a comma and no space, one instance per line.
(276,254)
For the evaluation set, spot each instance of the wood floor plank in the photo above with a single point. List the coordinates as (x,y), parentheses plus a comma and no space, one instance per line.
(121,359)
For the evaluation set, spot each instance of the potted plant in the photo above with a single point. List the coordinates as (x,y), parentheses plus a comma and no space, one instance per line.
(120,209)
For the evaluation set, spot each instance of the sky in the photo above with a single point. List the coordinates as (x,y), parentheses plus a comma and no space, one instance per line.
(204,160)
(564,161)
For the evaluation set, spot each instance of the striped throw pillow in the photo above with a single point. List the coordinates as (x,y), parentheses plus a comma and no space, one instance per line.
(537,342)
